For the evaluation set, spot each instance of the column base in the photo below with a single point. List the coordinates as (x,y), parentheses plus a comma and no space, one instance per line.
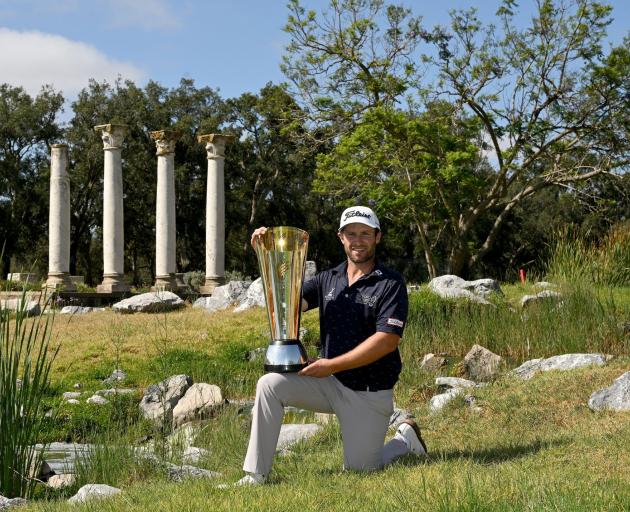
(59,281)
(165,283)
(210,284)
(112,283)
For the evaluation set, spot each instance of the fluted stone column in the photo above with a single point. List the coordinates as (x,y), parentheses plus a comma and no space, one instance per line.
(215,211)
(165,232)
(113,226)
(59,221)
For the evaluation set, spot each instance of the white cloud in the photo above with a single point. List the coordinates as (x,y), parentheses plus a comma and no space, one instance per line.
(146,14)
(31,59)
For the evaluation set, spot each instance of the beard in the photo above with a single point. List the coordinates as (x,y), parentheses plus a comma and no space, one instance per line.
(365,257)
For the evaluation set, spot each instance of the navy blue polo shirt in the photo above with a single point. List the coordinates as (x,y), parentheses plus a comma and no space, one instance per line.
(348,315)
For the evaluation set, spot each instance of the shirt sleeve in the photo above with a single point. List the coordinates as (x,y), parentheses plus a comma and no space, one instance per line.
(392,313)
(310,292)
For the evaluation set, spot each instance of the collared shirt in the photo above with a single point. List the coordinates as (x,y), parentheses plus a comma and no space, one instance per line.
(348,315)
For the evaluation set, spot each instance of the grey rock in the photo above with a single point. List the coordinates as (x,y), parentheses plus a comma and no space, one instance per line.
(545,295)
(481,364)
(29,307)
(7,503)
(454,383)
(71,394)
(61,481)
(615,397)
(431,363)
(200,401)
(93,491)
(454,287)
(79,310)
(255,297)
(159,400)
(97,400)
(310,270)
(117,376)
(152,302)
(115,391)
(183,437)
(183,472)
(292,433)
(438,402)
(72,401)
(224,296)
(257,354)
(562,362)
(192,455)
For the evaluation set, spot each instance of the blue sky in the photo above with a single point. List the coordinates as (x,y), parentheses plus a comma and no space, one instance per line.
(233,45)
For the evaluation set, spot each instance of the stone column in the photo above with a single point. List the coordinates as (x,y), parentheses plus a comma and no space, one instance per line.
(165,232)
(215,211)
(113,226)
(59,221)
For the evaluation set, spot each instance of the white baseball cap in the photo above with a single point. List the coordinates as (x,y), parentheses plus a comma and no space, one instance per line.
(360,214)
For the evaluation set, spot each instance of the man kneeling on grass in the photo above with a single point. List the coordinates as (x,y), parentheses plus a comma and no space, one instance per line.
(362,314)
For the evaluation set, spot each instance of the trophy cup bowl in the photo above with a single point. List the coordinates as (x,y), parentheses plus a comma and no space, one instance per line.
(281,253)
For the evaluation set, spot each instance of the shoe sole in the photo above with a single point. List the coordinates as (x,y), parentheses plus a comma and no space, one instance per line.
(416,429)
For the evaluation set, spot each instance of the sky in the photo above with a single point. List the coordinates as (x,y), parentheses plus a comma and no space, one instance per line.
(234,46)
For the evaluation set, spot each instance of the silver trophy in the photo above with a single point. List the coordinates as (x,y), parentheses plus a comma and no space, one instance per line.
(281,253)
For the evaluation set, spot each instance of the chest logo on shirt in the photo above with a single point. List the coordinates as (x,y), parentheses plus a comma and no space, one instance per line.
(330,294)
(367,299)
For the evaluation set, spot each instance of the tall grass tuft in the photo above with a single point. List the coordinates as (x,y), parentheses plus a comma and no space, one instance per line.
(608,263)
(25,362)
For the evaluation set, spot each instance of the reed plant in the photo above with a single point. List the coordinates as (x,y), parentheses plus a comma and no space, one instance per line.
(26,357)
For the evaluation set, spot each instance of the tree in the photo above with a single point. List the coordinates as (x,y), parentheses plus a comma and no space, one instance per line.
(27,129)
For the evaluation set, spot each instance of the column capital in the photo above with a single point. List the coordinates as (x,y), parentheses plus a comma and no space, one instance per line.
(165,140)
(112,134)
(59,146)
(215,143)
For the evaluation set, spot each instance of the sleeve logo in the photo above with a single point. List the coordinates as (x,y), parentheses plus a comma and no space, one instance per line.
(395,322)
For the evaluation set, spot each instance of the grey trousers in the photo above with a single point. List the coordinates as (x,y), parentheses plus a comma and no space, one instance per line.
(363,418)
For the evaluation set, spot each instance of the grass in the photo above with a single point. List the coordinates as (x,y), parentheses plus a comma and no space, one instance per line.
(535,445)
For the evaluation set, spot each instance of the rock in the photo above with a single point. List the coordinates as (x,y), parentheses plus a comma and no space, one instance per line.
(454,383)
(97,400)
(615,397)
(545,295)
(563,362)
(438,402)
(292,433)
(432,363)
(193,454)
(257,354)
(29,307)
(61,481)
(93,491)
(223,296)
(149,303)
(481,364)
(200,401)
(454,287)
(72,401)
(79,310)
(310,270)
(117,376)
(183,472)
(158,401)
(7,503)
(115,391)
(71,394)
(255,296)
(77,386)
(183,436)
(398,416)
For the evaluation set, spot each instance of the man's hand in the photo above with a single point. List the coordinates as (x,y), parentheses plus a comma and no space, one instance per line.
(319,368)
(258,232)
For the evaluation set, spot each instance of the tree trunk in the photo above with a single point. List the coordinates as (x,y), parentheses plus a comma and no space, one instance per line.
(428,253)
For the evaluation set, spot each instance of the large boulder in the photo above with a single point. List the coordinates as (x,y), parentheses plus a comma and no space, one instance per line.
(200,401)
(431,363)
(152,302)
(454,287)
(544,296)
(615,397)
(79,310)
(481,364)
(93,491)
(29,307)
(255,296)
(8,503)
(223,296)
(562,362)
(159,400)
(292,433)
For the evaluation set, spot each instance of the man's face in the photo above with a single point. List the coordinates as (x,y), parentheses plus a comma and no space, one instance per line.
(359,242)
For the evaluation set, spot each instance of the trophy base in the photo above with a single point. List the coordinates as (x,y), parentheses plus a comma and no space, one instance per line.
(285,356)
